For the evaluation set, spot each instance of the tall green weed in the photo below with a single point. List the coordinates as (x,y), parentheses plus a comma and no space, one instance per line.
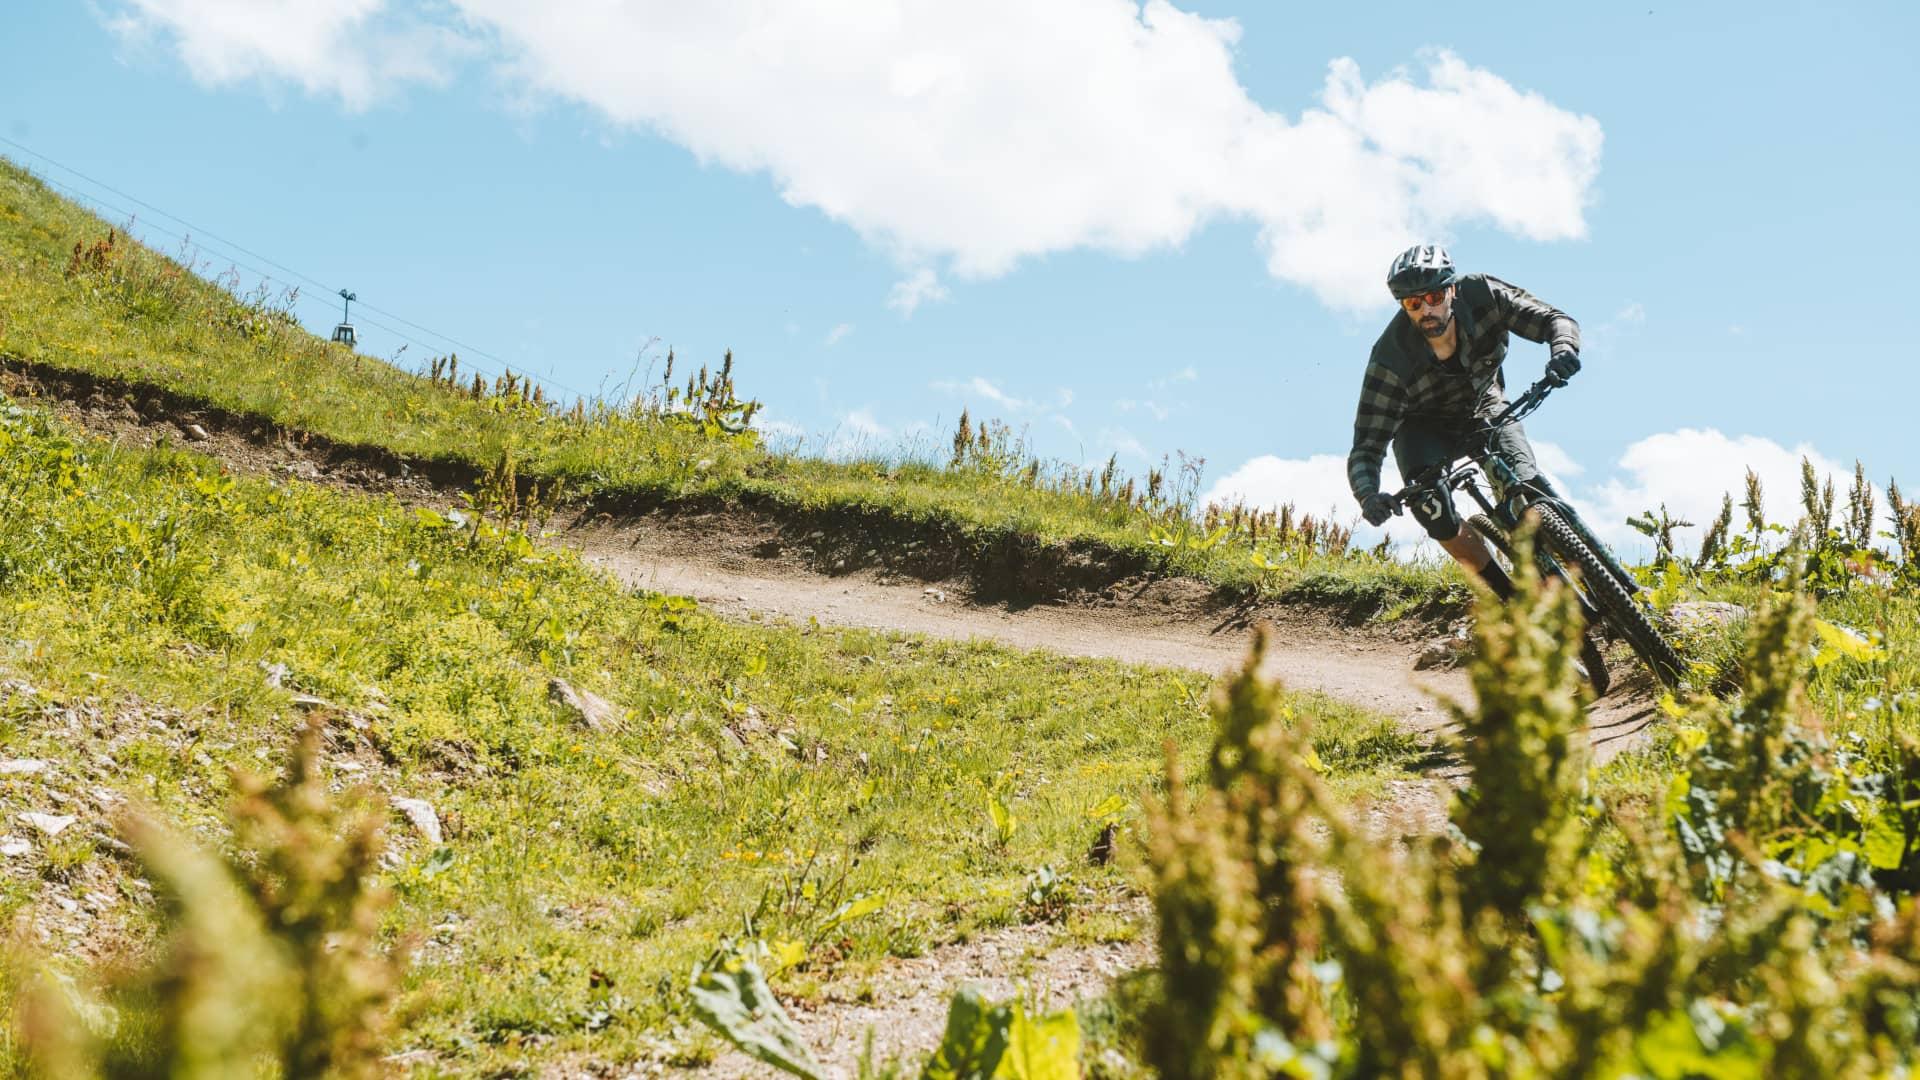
(1759,923)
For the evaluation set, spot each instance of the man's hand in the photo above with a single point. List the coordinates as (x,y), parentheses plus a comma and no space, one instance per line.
(1376,508)
(1562,366)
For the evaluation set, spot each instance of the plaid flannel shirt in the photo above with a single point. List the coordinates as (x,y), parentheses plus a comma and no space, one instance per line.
(1404,380)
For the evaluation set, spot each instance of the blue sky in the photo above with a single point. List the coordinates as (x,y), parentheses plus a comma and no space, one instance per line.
(1133,230)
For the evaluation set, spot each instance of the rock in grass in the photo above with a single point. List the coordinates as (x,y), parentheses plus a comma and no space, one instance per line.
(1703,614)
(22,767)
(584,706)
(421,815)
(13,847)
(1444,652)
(50,824)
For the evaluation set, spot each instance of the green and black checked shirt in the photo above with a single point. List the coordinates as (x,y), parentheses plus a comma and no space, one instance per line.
(1404,380)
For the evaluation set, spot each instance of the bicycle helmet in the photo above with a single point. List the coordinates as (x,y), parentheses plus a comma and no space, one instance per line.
(1420,269)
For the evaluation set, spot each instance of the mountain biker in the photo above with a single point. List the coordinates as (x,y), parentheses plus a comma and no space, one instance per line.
(1434,372)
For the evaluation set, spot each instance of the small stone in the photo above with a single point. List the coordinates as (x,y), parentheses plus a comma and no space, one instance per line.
(421,815)
(197,433)
(936,595)
(14,846)
(588,709)
(1704,614)
(22,767)
(308,701)
(51,824)
(276,673)
(1450,650)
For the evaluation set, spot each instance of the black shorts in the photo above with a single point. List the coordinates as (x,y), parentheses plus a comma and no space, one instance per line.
(1423,442)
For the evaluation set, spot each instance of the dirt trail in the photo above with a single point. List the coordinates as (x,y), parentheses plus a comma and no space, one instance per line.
(741,573)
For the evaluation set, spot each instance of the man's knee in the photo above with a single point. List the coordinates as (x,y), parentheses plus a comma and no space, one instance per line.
(1433,509)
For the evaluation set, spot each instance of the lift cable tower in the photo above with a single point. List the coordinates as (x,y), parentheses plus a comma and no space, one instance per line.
(344,332)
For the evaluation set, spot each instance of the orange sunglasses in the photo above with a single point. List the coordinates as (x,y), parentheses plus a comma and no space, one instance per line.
(1432,300)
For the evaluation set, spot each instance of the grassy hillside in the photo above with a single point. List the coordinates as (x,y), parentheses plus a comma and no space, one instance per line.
(78,298)
(834,792)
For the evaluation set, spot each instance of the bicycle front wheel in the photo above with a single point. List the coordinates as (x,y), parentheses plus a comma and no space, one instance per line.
(1606,594)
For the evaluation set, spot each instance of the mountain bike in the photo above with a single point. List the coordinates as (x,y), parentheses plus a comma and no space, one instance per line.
(1563,546)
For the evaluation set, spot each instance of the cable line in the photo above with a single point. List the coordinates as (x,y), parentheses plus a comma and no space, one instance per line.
(203,235)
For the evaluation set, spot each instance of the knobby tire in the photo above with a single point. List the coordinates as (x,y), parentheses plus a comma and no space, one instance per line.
(1590,654)
(1607,594)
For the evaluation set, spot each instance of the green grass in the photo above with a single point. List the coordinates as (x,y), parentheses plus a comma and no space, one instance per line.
(148,322)
(158,619)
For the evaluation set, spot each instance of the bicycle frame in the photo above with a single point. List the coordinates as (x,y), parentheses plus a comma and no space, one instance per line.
(1517,494)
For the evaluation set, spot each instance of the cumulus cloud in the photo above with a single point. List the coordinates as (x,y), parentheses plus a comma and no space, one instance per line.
(784,430)
(1554,461)
(921,287)
(1315,485)
(358,51)
(838,334)
(978,389)
(1689,470)
(978,135)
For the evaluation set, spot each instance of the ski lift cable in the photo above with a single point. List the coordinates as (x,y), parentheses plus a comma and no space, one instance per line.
(286,270)
(306,297)
(202,237)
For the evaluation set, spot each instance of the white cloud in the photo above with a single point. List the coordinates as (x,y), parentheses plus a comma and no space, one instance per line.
(1315,485)
(355,50)
(1151,408)
(862,423)
(1690,470)
(922,286)
(778,429)
(979,135)
(838,334)
(1122,443)
(1184,375)
(1554,461)
(979,389)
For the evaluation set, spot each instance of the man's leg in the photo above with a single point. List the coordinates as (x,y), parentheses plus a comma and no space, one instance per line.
(1473,555)
(1417,446)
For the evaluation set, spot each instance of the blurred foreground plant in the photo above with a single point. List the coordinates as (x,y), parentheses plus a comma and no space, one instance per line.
(1292,944)
(271,963)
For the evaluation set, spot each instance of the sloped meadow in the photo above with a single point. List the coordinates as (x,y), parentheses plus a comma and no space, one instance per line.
(840,797)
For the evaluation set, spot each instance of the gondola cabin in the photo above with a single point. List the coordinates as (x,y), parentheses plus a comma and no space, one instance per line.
(343,334)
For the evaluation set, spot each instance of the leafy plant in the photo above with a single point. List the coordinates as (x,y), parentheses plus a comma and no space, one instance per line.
(1004,1042)
(730,994)
(1753,939)
(272,963)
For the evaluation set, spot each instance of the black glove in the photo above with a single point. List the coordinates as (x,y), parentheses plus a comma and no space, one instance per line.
(1376,508)
(1562,366)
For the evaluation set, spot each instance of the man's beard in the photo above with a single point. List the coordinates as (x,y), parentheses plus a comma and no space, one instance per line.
(1431,326)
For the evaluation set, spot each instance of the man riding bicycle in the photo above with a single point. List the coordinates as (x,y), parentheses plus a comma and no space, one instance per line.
(1433,374)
